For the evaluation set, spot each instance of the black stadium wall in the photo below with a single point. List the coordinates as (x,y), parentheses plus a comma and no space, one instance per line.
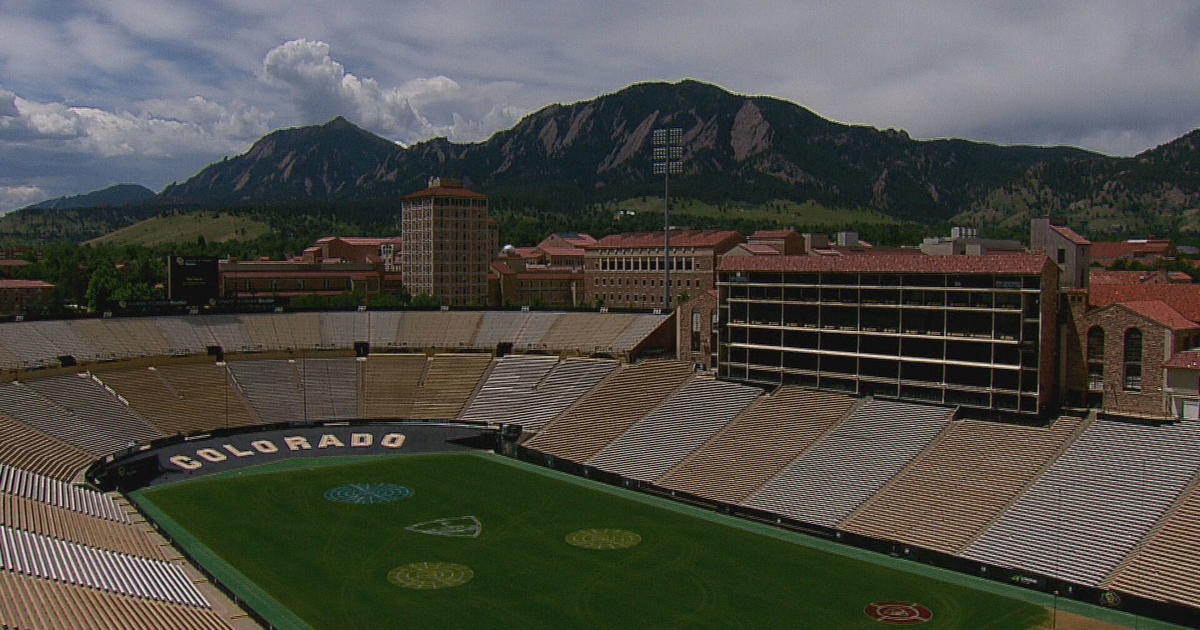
(178,458)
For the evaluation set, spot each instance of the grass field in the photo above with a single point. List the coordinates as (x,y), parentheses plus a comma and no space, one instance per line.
(186,228)
(328,563)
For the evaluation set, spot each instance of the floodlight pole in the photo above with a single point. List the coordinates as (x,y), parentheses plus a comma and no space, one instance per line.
(668,158)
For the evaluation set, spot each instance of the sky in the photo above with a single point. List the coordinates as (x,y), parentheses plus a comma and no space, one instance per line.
(98,92)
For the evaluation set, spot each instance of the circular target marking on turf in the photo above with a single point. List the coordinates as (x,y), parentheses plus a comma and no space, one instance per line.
(424,576)
(603,538)
(368,493)
(898,613)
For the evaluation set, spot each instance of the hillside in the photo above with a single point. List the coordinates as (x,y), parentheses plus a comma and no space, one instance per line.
(751,149)
(185,228)
(113,196)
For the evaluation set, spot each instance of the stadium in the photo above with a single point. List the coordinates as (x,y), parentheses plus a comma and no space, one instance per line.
(499,469)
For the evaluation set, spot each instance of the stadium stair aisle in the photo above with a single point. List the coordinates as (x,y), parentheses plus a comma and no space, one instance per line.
(271,387)
(448,384)
(1166,566)
(951,492)
(1084,515)
(390,382)
(851,462)
(753,448)
(656,443)
(610,409)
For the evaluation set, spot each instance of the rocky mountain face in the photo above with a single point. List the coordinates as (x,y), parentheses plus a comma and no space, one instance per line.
(113,196)
(741,148)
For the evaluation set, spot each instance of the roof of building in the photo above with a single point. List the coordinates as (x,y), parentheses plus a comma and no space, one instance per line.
(773,233)
(1189,360)
(529,252)
(679,238)
(1161,312)
(563,251)
(24,284)
(13,262)
(1102,276)
(1013,263)
(1073,236)
(576,238)
(502,268)
(446,191)
(1184,298)
(1118,249)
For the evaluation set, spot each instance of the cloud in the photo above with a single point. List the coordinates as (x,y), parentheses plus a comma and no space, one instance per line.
(13,197)
(413,110)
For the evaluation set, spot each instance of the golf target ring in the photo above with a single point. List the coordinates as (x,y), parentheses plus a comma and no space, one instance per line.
(368,493)
(425,576)
(898,613)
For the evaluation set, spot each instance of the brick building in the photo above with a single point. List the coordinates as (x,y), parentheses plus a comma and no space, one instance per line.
(627,270)
(973,331)
(1145,251)
(331,266)
(449,242)
(696,327)
(519,280)
(19,296)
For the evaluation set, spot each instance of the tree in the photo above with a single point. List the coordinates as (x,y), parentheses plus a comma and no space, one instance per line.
(104,281)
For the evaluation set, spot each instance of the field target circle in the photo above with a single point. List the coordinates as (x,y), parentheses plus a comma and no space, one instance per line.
(898,613)
(368,493)
(426,576)
(603,539)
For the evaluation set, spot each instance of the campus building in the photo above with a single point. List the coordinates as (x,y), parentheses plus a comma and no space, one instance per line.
(331,266)
(449,241)
(973,331)
(627,270)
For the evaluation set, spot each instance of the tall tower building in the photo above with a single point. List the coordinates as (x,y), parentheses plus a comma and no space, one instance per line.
(448,243)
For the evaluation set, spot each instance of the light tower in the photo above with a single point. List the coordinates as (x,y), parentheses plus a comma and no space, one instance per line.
(668,160)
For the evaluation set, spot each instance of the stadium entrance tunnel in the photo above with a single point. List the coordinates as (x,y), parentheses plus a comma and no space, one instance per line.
(178,458)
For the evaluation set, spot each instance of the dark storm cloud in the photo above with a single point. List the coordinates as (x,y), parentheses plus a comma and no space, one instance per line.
(96,87)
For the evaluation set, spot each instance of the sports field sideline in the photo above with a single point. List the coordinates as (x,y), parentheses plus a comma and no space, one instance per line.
(481,541)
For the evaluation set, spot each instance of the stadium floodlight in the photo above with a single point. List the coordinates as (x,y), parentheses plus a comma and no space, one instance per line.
(668,160)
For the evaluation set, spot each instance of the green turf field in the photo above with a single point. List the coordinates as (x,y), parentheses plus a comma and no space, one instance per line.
(328,563)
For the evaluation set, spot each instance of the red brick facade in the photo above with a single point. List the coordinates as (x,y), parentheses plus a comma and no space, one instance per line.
(694,326)
(1140,396)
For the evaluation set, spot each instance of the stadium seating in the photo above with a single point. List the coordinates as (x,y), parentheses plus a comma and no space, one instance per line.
(35,487)
(435,329)
(28,602)
(758,444)
(586,332)
(534,327)
(448,383)
(24,447)
(95,334)
(330,388)
(227,331)
(66,340)
(390,382)
(1166,567)
(851,462)
(557,390)
(341,330)
(35,516)
(184,335)
(658,442)
(498,327)
(301,331)
(272,387)
(182,398)
(946,496)
(1094,505)
(508,385)
(30,348)
(381,329)
(610,409)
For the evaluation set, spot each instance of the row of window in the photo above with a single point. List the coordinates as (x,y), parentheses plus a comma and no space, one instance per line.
(965,281)
(645,263)
(1131,359)
(644,282)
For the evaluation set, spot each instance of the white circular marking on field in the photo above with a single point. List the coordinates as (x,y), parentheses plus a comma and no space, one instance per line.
(424,576)
(368,493)
(453,527)
(603,539)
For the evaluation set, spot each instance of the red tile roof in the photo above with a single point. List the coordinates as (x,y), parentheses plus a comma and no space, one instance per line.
(13,262)
(1022,263)
(446,191)
(1184,298)
(1100,276)
(24,284)
(1071,235)
(1158,311)
(576,238)
(563,251)
(679,238)
(1187,360)
(502,268)
(773,233)
(1118,249)
(759,249)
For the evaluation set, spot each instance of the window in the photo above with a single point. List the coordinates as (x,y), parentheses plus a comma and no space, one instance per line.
(695,331)
(1095,357)
(1133,360)
(1062,256)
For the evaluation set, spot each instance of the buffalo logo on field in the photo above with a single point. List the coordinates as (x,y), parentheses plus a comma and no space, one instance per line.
(898,613)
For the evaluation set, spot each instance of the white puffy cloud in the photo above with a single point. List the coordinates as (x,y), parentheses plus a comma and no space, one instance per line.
(12,197)
(413,110)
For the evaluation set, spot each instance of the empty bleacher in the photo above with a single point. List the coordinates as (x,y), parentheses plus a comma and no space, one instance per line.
(182,398)
(341,330)
(448,383)
(227,331)
(183,335)
(945,497)
(390,382)
(851,461)
(610,409)
(300,331)
(496,327)
(23,341)
(758,444)
(330,388)
(509,383)
(35,516)
(23,483)
(435,329)
(637,331)
(1166,567)
(28,448)
(258,332)
(557,390)
(381,329)
(272,387)
(76,410)
(29,603)
(534,327)
(586,332)
(65,338)
(1081,518)
(658,442)
(141,335)
(106,345)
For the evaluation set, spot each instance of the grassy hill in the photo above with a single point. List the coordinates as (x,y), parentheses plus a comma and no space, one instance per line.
(185,228)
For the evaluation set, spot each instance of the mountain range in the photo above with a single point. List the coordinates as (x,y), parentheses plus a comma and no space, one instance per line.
(738,148)
(113,196)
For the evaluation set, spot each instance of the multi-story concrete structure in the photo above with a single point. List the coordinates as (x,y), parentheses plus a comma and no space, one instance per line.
(966,241)
(449,241)
(627,270)
(974,331)
(1070,251)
